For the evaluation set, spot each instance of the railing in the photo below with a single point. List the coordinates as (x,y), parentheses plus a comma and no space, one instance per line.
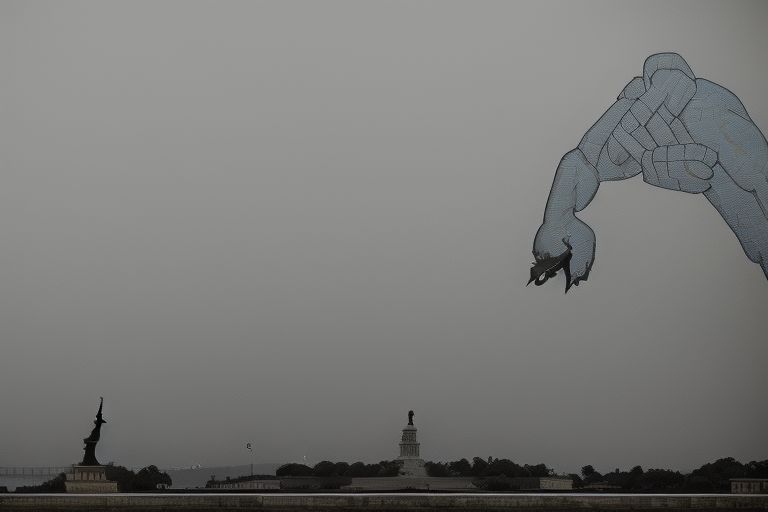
(26,471)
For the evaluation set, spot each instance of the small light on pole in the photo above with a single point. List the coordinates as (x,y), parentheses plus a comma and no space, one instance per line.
(250,449)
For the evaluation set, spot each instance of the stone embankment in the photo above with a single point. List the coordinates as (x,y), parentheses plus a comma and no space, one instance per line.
(379,502)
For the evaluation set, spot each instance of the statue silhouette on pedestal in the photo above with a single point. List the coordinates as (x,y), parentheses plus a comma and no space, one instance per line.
(90,442)
(89,476)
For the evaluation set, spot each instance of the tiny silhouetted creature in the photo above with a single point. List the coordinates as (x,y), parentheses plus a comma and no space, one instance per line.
(410,417)
(90,442)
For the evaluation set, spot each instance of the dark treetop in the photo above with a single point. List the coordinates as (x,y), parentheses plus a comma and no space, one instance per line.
(90,442)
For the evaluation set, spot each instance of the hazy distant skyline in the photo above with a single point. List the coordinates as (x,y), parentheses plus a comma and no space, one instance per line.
(291,222)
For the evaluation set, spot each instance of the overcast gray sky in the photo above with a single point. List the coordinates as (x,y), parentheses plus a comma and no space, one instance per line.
(290,222)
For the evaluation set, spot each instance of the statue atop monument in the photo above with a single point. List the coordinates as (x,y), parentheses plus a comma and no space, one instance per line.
(411,463)
(90,442)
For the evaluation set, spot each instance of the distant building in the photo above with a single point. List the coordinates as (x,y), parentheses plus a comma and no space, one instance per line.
(602,486)
(455,484)
(256,482)
(402,483)
(749,485)
(543,483)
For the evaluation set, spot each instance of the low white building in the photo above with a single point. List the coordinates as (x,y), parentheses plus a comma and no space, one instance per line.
(749,485)
(245,484)
(552,483)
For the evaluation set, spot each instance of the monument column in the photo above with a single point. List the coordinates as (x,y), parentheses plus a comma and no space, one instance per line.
(410,460)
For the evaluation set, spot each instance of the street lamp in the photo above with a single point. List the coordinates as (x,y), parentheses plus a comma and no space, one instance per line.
(249,447)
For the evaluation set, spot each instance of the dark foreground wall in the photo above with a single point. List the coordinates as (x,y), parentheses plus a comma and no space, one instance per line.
(378,502)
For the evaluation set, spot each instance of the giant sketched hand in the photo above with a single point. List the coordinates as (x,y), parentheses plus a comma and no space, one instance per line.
(681,133)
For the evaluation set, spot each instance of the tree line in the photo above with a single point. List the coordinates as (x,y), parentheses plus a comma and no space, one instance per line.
(325,469)
(477,468)
(712,477)
(490,474)
(497,474)
(480,467)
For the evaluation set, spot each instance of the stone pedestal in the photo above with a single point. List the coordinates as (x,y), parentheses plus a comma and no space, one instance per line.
(89,479)
(411,463)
